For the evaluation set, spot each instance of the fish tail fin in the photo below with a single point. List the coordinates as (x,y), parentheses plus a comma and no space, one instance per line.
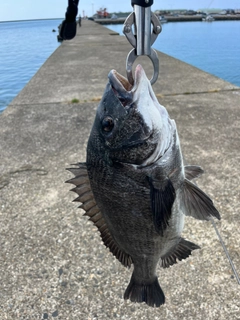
(149,292)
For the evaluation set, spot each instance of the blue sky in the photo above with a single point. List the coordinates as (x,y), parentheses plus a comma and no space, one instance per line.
(40,9)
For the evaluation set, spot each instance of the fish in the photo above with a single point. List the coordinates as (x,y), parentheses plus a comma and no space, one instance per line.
(135,187)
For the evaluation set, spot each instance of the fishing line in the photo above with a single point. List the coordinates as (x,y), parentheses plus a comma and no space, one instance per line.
(225,250)
(222,242)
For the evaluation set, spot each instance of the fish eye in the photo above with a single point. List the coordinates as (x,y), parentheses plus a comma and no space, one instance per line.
(107,124)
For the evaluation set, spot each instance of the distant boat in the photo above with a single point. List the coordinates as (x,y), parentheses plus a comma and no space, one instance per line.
(208,18)
(162,19)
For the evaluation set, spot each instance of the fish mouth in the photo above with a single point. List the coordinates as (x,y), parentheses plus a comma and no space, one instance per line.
(119,82)
(121,86)
(123,89)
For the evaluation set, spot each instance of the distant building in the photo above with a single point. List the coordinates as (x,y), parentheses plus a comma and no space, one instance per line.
(211,11)
(170,12)
(190,12)
(174,12)
(230,11)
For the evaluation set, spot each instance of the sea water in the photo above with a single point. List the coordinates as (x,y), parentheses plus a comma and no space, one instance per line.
(24,47)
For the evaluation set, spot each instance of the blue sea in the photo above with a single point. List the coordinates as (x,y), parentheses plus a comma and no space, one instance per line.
(24,47)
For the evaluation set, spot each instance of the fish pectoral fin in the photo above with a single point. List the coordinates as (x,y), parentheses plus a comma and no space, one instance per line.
(197,204)
(162,195)
(86,197)
(192,172)
(181,251)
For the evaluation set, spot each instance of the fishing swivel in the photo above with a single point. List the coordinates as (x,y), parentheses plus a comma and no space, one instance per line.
(146,30)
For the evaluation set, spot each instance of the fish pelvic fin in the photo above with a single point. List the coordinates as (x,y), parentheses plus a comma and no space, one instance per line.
(149,292)
(192,172)
(86,197)
(196,203)
(162,195)
(181,251)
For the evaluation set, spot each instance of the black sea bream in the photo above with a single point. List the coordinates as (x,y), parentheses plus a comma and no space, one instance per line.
(135,187)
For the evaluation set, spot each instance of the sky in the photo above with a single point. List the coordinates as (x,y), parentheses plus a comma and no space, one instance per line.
(44,9)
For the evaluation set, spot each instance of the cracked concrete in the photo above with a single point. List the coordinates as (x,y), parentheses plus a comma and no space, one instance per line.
(5,179)
(53,264)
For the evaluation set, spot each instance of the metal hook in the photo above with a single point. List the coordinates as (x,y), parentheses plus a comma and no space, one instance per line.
(140,47)
(129,22)
(132,56)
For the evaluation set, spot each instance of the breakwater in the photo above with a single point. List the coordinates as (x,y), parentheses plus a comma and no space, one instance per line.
(53,263)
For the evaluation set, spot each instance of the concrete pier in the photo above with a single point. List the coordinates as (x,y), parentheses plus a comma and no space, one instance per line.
(53,264)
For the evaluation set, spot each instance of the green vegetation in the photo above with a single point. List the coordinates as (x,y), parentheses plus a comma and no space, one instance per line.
(75,100)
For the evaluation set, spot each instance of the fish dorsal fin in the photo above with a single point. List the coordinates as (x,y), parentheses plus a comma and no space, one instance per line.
(162,195)
(196,203)
(86,197)
(181,251)
(192,172)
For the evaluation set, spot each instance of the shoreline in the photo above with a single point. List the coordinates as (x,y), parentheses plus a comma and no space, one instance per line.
(7,21)
(174,19)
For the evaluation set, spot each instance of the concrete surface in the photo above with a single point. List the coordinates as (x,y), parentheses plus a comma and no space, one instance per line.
(53,264)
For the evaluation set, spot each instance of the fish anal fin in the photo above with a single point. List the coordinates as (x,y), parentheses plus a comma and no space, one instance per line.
(197,204)
(192,172)
(89,205)
(162,195)
(181,251)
